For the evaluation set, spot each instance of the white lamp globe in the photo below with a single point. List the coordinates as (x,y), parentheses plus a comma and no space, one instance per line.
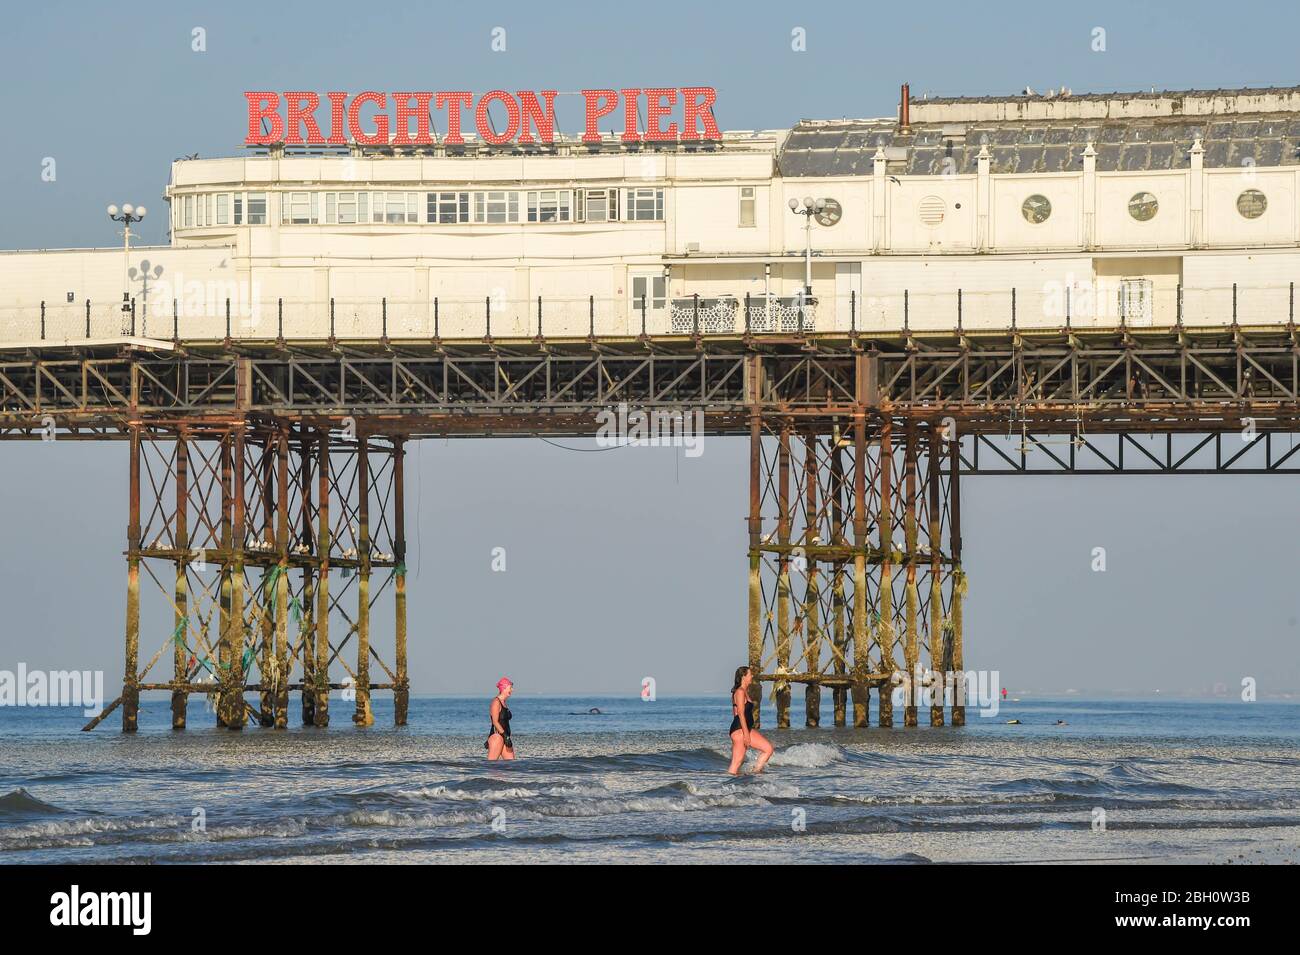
(139,212)
(807,202)
(794,205)
(127,208)
(112,210)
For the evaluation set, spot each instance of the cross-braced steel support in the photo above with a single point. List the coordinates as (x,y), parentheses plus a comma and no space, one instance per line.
(855,579)
(279,540)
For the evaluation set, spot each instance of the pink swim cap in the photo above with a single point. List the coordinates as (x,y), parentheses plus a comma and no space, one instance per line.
(503,683)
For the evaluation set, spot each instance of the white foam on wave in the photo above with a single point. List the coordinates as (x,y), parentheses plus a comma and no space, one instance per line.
(765,786)
(388,818)
(278,829)
(670,804)
(579,789)
(578,799)
(498,795)
(808,755)
(464,795)
(800,755)
(71,832)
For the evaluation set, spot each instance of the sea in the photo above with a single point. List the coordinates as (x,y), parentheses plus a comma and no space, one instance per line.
(622,780)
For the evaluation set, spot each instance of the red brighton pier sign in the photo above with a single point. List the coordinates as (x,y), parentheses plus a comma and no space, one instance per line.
(530,116)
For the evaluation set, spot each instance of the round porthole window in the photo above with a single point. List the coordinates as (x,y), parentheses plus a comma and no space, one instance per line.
(1036,209)
(1143,206)
(1251,204)
(931,210)
(831,213)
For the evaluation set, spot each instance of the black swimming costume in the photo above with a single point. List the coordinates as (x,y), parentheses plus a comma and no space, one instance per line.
(749,717)
(504,719)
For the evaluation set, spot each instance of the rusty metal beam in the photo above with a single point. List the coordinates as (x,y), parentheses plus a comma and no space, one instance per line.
(402,694)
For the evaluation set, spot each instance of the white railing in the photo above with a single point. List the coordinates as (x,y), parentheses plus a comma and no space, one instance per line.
(575,318)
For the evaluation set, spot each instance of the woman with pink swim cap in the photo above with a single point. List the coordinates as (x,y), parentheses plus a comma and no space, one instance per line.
(499,744)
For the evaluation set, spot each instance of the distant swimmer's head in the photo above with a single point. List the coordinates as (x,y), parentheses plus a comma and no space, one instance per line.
(744,675)
(504,686)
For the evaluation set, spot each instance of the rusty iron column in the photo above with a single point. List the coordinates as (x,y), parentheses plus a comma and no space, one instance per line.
(308,626)
(130,675)
(233,697)
(839,695)
(362,716)
(280,704)
(934,537)
(782,688)
(224,638)
(402,691)
(861,690)
(958,580)
(911,652)
(267,474)
(812,595)
(180,656)
(755,528)
(885,626)
(323,544)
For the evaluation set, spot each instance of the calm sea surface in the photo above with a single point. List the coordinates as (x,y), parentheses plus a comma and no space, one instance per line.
(646,782)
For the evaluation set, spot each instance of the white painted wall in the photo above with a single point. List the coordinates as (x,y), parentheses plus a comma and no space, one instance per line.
(880,249)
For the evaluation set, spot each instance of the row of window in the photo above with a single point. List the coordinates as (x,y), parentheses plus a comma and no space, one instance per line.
(1143,206)
(545,205)
(222,208)
(443,208)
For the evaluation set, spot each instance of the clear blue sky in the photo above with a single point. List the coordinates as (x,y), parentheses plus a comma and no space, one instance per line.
(630,563)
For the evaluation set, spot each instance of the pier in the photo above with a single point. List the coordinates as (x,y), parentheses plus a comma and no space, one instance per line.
(266,508)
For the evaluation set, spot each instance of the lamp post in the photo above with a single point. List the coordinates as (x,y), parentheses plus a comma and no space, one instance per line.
(128,214)
(810,208)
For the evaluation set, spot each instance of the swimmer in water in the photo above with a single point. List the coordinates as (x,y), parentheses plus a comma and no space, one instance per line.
(499,745)
(743,735)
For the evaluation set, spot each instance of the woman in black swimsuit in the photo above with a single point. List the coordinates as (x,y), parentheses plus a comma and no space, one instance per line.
(743,735)
(499,745)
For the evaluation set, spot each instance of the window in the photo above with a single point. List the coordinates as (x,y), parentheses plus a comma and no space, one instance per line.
(549,206)
(598,205)
(298,208)
(223,208)
(645,205)
(448,207)
(396,207)
(347,208)
(747,207)
(1143,206)
(239,208)
(257,208)
(653,287)
(496,207)
(188,205)
(1036,209)
(1135,301)
(832,212)
(1251,204)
